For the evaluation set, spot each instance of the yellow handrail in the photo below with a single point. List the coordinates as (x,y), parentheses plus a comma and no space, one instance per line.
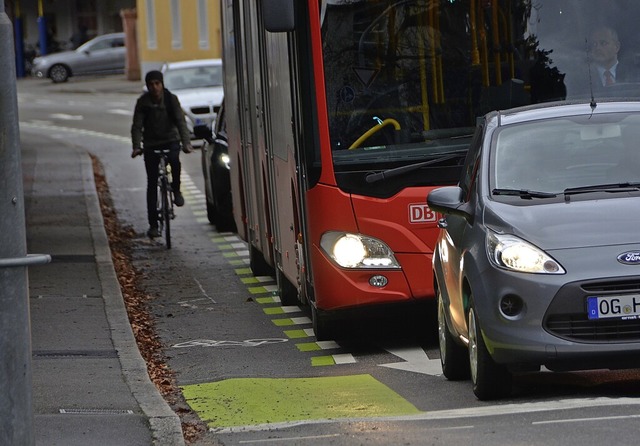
(374,129)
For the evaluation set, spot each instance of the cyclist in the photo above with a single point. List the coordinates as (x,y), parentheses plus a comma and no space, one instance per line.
(158,123)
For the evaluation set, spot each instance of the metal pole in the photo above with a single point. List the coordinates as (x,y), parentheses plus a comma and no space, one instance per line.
(16,411)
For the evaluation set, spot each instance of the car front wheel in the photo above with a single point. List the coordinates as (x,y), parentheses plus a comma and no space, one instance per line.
(59,73)
(490,380)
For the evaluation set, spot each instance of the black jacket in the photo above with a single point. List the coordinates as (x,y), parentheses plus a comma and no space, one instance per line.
(158,124)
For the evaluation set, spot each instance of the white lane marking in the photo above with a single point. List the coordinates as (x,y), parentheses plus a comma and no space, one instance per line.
(204,293)
(584,420)
(116,111)
(327,345)
(344,358)
(66,117)
(415,360)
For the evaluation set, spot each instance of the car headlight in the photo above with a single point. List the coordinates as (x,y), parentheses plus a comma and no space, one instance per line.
(358,251)
(513,253)
(225,161)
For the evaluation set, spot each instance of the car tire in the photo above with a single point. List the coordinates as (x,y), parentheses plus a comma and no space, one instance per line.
(454,357)
(490,380)
(59,73)
(212,214)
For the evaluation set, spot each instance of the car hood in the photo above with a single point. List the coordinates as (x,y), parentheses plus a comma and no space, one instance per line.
(200,96)
(584,223)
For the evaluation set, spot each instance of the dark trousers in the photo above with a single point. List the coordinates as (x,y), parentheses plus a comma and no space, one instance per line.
(151,161)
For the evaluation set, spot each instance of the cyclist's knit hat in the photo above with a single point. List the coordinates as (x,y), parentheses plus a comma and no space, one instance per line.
(153,75)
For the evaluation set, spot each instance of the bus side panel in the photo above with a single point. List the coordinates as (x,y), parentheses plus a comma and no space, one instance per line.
(404,221)
(256,176)
(283,171)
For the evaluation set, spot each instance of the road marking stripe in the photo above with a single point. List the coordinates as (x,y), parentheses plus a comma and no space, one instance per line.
(299,334)
(583,420)
(291,321)
(236,402)
(256,279)
(484,411)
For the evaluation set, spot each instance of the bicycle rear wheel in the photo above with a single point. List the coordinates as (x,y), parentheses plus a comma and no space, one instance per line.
(166,212)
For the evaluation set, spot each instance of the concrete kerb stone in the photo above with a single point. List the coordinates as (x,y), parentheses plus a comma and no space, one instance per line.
(164,422)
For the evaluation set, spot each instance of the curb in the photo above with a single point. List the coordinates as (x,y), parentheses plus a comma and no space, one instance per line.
(165,424)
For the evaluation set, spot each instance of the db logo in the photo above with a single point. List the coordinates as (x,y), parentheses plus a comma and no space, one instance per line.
(420,213)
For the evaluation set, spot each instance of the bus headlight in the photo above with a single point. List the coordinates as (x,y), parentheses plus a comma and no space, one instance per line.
(358,251)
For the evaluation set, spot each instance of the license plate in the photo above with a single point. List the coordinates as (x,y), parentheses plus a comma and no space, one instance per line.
(623,307)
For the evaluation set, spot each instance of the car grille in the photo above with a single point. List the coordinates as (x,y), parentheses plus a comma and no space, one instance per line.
(579,328)
(205,110)
(567,315)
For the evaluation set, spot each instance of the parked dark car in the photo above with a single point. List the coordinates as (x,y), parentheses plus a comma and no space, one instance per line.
(538,259)
(104,54)
(215,168)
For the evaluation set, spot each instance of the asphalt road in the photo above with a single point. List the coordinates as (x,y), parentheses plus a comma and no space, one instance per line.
(252,369)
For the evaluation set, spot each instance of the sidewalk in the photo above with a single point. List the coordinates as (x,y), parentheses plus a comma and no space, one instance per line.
(90,383)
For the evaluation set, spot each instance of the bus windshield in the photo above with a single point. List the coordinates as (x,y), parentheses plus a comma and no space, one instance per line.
(406,80)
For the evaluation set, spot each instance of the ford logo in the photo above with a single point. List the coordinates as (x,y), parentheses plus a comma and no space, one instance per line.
(630,258)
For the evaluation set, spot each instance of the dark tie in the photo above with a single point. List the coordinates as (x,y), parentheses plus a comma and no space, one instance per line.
(608,78)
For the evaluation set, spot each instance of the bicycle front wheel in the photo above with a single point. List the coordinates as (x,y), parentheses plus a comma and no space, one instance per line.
(166,212)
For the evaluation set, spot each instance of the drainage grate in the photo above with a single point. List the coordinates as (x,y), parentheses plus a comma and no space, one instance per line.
(97,411)
(43,354)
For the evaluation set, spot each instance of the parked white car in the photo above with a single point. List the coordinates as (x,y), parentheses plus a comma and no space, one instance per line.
(198,85)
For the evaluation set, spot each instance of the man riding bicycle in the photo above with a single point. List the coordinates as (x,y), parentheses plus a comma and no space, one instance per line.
(158,123)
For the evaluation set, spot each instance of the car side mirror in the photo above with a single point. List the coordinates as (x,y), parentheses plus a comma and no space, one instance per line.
(449,200)
(203,132)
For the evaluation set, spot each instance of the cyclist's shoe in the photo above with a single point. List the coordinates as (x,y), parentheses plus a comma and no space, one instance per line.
(153,232)
(178,199)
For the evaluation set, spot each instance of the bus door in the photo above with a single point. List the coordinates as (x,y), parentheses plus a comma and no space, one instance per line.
(282,165)
(254,161)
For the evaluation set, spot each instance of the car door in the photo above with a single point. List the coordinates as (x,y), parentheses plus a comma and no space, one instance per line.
(453,240)
(106,54)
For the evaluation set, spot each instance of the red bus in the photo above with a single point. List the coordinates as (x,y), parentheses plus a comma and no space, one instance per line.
(342,115)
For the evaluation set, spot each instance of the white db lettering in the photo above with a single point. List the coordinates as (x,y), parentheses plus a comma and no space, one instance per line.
(420,213)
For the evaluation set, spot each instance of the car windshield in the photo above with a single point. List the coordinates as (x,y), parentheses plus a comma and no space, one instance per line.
(101,44)
(599,152)
(193,77)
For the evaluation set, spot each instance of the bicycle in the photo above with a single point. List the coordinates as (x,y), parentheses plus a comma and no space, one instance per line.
(164,206)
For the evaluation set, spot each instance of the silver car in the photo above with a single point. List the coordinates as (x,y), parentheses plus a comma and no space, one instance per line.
(104,54)
(538,260)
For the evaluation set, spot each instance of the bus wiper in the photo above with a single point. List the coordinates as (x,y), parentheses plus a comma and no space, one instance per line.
(610,187)
(390,173)
(526,194)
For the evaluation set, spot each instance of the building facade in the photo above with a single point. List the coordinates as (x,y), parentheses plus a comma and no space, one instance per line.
(163,30)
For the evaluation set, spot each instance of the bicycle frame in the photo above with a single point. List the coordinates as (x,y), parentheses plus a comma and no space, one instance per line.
(165,210)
